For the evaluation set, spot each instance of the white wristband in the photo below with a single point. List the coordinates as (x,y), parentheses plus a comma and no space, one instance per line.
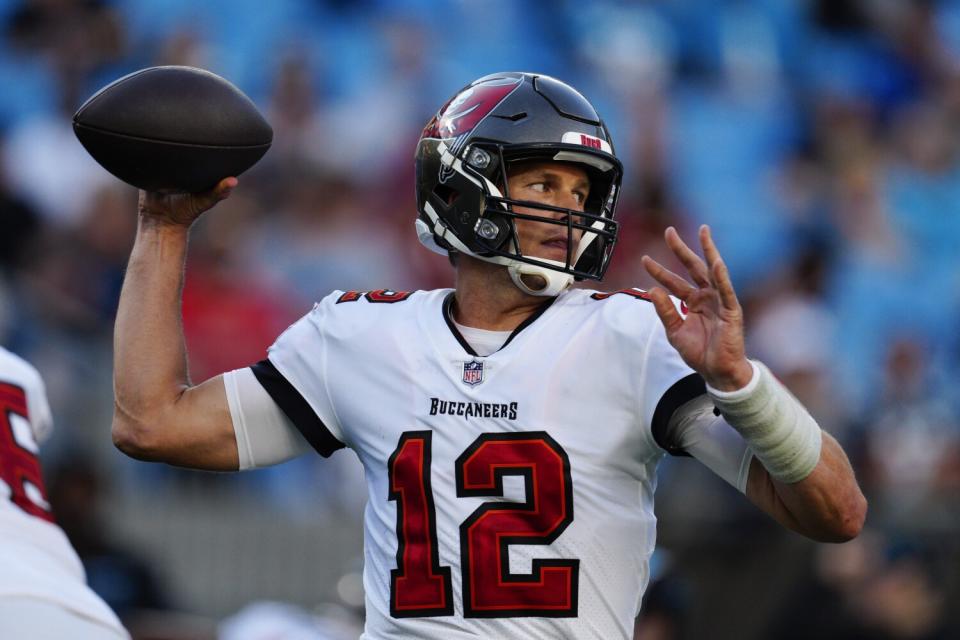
(781,433)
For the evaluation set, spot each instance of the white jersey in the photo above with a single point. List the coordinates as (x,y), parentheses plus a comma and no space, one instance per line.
(509,496)
(36,558)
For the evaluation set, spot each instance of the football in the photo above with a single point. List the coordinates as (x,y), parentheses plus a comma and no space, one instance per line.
(173,129)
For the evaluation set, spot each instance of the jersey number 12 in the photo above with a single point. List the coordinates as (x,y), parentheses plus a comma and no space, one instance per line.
(421,587)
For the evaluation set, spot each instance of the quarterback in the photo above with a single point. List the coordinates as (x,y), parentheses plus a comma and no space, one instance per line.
(43,589)
(509,427)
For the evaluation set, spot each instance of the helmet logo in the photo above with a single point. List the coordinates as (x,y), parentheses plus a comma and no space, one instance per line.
(469,107)
(589,141)
(583,139)
(464,112)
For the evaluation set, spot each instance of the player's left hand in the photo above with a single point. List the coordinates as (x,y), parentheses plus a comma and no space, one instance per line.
(710,337)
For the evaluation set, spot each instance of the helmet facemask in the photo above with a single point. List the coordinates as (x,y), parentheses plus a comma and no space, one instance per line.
(490,232)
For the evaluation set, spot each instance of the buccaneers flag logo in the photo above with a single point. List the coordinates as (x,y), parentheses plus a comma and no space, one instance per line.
(469,107)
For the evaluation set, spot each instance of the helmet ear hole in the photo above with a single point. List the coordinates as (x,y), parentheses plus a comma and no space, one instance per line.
(446,194)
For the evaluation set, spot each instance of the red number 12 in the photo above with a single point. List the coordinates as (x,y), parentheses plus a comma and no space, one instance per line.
(421,587)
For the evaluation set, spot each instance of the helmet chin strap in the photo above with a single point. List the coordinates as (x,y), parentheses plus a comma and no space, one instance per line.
(554,281)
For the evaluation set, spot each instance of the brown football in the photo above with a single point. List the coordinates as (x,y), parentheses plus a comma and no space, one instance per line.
(172,129)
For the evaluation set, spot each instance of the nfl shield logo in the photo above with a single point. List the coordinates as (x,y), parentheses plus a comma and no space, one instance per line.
(473,373)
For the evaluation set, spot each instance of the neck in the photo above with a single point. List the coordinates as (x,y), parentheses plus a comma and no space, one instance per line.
(486,297)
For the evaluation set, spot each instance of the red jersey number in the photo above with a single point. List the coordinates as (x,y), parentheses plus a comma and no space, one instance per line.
(420,586)
(489,589)
(19,466)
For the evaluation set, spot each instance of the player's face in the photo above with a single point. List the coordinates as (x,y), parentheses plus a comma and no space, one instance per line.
(554,183)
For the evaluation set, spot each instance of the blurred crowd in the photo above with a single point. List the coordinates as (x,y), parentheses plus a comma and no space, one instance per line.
(819,138)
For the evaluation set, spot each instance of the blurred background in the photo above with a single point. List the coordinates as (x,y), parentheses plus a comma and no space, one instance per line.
(819,138)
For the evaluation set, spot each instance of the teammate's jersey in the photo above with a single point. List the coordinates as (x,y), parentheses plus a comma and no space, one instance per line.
(510,496)
(36,559)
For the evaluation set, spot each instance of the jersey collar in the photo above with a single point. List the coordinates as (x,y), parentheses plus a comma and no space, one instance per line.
(448,318)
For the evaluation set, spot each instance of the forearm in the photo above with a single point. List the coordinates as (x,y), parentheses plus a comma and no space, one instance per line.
(150,363)
(799,475)
(157,414)
(827,505)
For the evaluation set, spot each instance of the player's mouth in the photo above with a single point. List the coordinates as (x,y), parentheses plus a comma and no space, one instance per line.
(556,247)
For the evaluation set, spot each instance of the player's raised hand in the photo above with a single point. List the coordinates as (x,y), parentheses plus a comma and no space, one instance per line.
(710,337)
(181,209)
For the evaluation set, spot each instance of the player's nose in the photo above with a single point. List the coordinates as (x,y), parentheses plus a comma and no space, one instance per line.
(571,200)
(563,200)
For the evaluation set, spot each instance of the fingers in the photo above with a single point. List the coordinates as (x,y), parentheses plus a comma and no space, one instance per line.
(709,248)
(712,274)
(719,275)
(182,209)
(688,258)
(673,283)
(667,312)
(197,203)
(220,192)
(225,187)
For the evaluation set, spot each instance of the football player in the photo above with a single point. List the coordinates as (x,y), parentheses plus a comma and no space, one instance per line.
(43,589)
(509,427)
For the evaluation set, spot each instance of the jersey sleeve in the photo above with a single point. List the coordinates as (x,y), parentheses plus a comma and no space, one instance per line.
(265,435)
(667,385)
(697,430)
(295,376)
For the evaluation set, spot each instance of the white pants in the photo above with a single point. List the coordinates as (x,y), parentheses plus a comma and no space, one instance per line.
(32,619)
